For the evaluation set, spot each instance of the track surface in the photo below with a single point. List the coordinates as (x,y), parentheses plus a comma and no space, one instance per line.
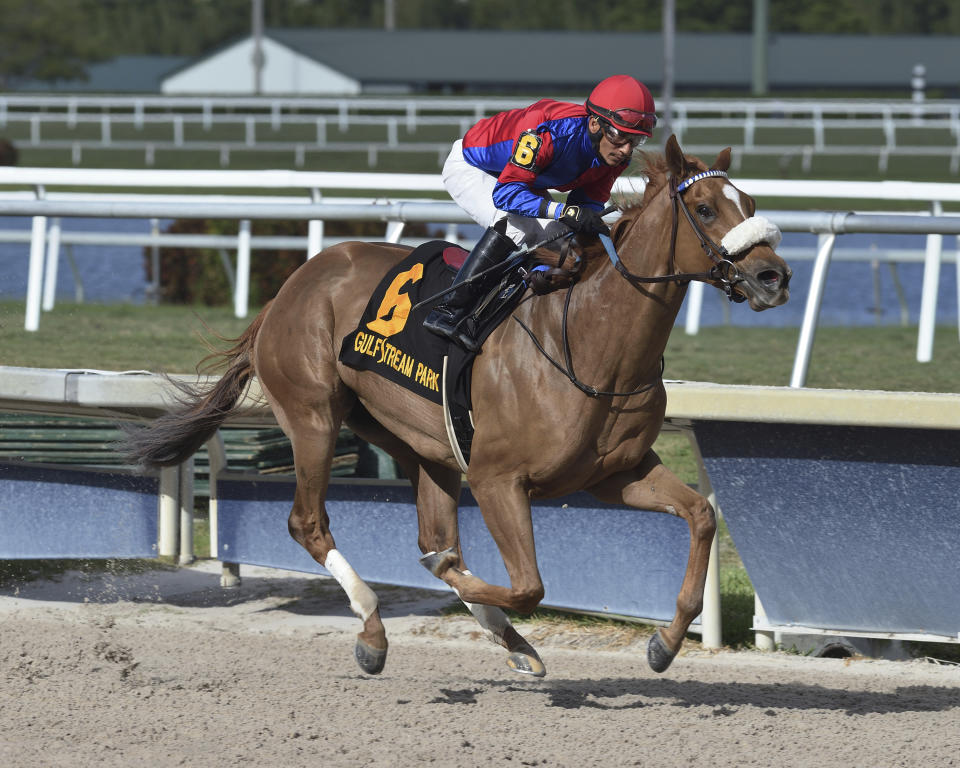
(166,668)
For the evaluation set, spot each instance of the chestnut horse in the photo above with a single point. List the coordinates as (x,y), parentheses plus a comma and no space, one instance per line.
(692,224)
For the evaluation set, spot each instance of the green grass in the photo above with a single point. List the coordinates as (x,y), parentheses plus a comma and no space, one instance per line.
(127,337)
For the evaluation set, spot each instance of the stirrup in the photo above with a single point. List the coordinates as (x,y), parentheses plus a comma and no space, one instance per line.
(444,322)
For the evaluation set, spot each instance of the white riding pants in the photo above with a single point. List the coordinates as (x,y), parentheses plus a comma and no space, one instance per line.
(472,189)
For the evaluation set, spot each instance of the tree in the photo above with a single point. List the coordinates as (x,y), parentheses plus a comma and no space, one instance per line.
(43,40)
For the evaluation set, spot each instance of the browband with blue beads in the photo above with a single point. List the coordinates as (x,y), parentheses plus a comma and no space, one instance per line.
(697,177)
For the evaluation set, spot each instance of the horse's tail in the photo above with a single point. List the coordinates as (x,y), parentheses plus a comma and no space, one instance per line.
(176,435)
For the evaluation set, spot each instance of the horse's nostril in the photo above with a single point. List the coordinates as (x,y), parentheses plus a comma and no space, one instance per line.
(770,279)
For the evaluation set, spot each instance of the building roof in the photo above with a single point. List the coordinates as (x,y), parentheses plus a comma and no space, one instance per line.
(562,62)
(574,60)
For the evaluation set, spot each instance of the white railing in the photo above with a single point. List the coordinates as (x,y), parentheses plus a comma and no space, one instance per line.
(227,125)
(312,205)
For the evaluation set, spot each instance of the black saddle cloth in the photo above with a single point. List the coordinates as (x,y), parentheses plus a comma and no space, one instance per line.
(391,341)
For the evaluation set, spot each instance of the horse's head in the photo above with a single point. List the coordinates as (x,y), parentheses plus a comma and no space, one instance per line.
(721,235)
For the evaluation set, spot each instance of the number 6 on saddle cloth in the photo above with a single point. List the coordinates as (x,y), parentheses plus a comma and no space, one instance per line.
(390,339)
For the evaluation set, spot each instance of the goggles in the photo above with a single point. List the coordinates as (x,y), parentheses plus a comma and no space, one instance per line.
(631,119)
(620,138)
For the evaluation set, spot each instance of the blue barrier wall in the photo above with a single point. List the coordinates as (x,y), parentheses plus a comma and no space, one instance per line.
(592,557)
(58,512)
(854,528)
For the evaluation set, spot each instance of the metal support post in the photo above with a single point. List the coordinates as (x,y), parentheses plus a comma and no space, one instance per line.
(35,275)
(765,641)
(394,231)
(314,229)
(811,312)
(241,294)
(169,510)
(53,264)
(218,461)
(957,257)
(186,512)
(711,624)
(931,285)
(694,308)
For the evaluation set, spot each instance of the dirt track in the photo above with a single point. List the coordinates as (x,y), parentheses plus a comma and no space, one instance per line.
(167,669)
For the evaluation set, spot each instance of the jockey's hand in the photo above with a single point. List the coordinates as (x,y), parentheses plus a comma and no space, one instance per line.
(583,220)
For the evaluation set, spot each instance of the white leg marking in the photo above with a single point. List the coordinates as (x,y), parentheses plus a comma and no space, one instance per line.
(363,600)
(491,618)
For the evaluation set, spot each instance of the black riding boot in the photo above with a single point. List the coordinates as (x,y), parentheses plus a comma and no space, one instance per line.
(446,318)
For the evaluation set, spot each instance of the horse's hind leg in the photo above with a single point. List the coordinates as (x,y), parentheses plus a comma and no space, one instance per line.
(438,490)
(652,486)
(312,422)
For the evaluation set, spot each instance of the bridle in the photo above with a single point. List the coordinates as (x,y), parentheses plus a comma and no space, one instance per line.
(724,273)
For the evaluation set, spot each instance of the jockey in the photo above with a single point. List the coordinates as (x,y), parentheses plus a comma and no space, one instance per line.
(502,169)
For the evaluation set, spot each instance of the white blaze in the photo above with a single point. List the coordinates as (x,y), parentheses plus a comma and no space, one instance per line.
(733,195)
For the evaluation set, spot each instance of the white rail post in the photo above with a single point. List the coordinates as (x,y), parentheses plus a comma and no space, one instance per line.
(153,289)
(928,296)
(818,129)
(694,308)
(765,641)
(241,295)
(394,231)
(178,130)
(186,512)
(35,275)
(169,510)
(314,229)
(811,312)
(711,624)
(53,264)
(218,461)
(452,233)
(957,256)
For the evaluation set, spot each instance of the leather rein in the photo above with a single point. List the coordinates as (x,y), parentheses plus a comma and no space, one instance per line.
(723,273)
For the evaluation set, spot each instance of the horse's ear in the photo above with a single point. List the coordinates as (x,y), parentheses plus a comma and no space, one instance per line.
(676,162)
(722,163)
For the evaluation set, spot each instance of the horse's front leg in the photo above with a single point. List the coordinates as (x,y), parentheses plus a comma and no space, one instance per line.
(654,487)
(438,490)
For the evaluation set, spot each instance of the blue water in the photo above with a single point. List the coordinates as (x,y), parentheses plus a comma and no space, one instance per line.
(116,274)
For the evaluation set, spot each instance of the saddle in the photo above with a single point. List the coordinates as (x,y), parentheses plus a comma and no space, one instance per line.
(390,339)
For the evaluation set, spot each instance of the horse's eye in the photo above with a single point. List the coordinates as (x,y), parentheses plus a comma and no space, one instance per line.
(705,212)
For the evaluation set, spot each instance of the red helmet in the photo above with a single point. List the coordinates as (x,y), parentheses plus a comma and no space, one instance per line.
(625,102)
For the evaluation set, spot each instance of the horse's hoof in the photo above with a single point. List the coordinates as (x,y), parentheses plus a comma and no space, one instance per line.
(526,661)
(526,665)
(659,657)
(438,562)
(371,660)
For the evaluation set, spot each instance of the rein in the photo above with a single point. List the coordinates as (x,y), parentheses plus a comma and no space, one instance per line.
(723,272)
(567,368)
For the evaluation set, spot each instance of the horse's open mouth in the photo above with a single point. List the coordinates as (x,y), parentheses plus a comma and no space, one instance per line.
(765,289)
